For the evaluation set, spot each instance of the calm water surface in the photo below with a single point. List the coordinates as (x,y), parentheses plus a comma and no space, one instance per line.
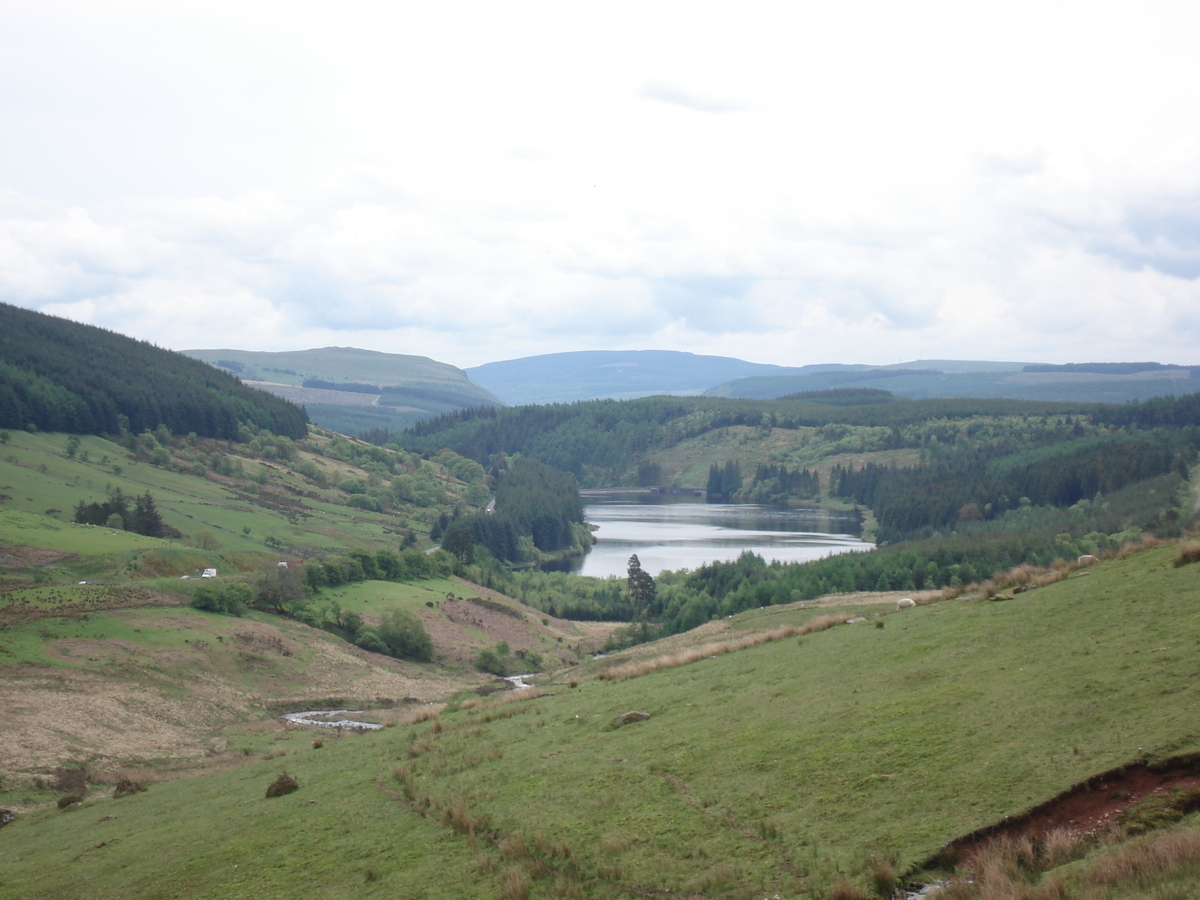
(685,533)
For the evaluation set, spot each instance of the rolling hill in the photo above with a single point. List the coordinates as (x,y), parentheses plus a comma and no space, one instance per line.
(353,391)
(615,374)
(59,375)
(1096,383)
(629,374)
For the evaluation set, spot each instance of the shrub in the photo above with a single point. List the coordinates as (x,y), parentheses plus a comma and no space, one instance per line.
(231,599)
(495,660)
(1188,553)
(405,636)
(126,786)
(284,784)
(69,800)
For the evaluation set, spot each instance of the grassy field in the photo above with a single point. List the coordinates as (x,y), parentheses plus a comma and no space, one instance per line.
(781,769)
(233,523)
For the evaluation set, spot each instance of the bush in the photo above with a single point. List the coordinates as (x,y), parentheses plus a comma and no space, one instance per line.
(126,786)
(368,638)
(1188,553)
(228,599)
(405,636)
(495,660)
(284,784)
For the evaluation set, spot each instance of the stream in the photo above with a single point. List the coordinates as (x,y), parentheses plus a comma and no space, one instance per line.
(330,718)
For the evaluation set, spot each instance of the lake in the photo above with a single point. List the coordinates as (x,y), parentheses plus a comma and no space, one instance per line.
(679,532)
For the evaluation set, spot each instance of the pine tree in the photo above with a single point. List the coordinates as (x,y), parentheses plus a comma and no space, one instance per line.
(641,588)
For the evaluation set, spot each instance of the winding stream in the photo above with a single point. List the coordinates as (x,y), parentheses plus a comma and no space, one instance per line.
(330,718)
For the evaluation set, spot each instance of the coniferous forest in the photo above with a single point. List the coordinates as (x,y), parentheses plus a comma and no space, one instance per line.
(58,375)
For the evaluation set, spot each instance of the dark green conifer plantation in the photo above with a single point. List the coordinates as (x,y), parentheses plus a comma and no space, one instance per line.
(58,375)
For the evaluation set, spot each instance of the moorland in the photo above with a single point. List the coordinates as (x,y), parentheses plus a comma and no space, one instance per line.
(1026,729)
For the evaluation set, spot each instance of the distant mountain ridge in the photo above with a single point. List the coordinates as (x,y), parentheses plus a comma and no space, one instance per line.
(629,374)
(924,379)
(352,391)
(612,374)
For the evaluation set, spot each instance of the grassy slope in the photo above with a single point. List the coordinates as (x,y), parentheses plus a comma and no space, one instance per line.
(289,508)
(776,769)
(426,386)
(340,364)
(120,671)
(687,463)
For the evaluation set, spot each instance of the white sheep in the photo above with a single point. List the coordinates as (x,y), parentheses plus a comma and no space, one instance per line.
(906,603)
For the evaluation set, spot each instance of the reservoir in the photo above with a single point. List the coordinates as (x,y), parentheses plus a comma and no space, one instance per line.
(680,532)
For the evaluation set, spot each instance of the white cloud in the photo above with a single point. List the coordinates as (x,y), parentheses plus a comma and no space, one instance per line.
(846,183)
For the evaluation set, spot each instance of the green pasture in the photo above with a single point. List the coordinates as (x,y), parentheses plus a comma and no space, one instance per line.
(31,530)
(373,598)
(40,487)
(218,837)
(149,629)
(778,769)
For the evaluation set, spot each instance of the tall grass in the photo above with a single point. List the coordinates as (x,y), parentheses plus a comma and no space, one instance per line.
(1171,852)
(707,651)
(1188,553)
(1014,868)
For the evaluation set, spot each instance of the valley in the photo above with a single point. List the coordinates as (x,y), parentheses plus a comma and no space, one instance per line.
(727,728)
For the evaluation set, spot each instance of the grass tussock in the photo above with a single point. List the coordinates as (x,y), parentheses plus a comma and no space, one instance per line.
(1148,542)
(845,890)
(514,884)
(1188,553)
(425,714)
(1020,868)
(1168,852)
(284,784)
(404,775)
(707,651)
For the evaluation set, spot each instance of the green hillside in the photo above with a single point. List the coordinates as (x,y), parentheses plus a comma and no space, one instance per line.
(106,610)
(354,391)
(58,375)
(800,767)
(269,496)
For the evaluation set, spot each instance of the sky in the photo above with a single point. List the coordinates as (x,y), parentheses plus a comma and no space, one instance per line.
(789,183)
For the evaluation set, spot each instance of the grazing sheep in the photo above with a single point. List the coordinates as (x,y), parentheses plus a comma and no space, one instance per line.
(1087,560)
(906,603)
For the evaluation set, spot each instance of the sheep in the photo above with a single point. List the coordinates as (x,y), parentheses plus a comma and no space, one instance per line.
(906,603)
(1087,560)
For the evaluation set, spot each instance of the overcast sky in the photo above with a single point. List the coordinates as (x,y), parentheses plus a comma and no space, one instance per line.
(789,183)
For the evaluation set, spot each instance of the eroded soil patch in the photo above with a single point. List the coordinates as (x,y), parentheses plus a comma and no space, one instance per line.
(1087,808)
(19,557)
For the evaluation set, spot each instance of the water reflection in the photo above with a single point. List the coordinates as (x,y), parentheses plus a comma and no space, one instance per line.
(683,532)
